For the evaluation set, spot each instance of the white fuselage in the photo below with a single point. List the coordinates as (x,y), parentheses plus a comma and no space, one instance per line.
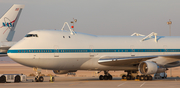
(59,50)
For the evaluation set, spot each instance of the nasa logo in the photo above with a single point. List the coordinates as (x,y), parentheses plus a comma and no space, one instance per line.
(8,24)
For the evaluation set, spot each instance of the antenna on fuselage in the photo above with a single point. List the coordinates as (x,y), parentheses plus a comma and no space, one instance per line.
(72,31)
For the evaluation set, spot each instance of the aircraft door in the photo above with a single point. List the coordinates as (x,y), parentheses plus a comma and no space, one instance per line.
(56,51)
(165,49)
(92,53)
(132,50)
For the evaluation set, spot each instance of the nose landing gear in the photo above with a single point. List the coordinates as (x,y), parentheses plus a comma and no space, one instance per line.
(38,77)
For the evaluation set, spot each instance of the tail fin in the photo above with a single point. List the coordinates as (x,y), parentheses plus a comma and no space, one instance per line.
(8,22)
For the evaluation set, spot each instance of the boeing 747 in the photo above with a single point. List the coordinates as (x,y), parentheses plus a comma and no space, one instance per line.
(68,51)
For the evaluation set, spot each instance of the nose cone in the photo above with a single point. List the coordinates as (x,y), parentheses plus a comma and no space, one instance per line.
(18,53)
(14,51)
(17,56)
(12,54)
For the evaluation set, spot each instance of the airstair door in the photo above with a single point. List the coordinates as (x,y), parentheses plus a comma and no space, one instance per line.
(56,51)
(132,51)
(165,49)
(92,52)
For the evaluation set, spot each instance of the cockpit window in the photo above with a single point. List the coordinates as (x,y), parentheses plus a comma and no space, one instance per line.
(31,35)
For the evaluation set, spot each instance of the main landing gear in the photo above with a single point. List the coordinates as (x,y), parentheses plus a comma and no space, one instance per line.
(144,77)
(38,77)
(132,75)
(107,76)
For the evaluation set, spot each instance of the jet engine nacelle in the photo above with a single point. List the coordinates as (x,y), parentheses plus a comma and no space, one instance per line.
(63,71)
(149,67)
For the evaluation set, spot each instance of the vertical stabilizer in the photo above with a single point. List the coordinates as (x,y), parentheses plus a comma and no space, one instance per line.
(8,22)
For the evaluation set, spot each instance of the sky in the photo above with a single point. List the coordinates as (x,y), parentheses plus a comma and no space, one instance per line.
(98,17)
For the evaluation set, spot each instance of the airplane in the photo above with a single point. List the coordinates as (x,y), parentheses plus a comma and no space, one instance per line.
(68,51)
(7,28)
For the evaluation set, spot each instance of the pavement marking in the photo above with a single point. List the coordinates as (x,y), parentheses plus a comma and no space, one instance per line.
(142,84)
(77,83)
(73,84)
(121,84)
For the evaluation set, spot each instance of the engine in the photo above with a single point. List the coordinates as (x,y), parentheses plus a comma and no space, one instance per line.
(63,71)
(149,67)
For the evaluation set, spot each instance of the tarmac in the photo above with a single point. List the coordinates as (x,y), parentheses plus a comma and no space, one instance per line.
(93,82)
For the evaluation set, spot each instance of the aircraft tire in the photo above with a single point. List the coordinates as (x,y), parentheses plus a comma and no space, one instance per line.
(101,77)
(105,77)
(124,77)
(137,77)
(2,79)
(128,77)
(36,79)
(141,77)
(150,78)
(133,78)
(17,78)
(41,79)
(110,77)
(146,78)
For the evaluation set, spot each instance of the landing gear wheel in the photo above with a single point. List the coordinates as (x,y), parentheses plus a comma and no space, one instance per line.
(36,79)
(128,77)
(150,78)
(41,79)
(141,78)
(137,77)
(105,77)
(124,77)
(133,78)
(110,77)
(146,78)
(2,79)
(101,77)
(17,79)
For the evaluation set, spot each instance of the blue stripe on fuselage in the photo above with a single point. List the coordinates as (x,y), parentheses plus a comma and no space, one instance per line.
(89,50)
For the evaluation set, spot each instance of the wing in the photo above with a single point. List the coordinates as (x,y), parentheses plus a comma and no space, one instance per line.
(2,54)
(5,47)
(124,61)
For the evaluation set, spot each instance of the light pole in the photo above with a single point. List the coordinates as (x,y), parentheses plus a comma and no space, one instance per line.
(169,23)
